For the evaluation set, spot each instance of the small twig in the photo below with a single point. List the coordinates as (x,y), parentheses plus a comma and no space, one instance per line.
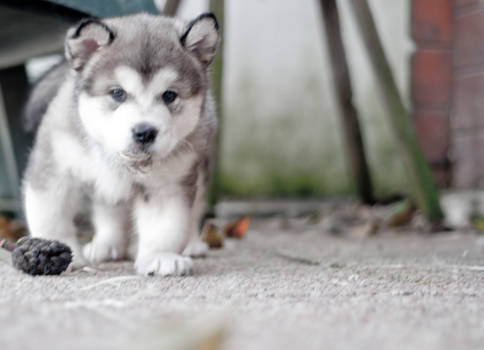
(470,268)
(113,280)
(400,266)
(169,8)
(7,245)
(286,256)
(297,259)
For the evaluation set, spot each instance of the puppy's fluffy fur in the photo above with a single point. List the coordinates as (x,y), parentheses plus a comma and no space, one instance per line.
(128,121)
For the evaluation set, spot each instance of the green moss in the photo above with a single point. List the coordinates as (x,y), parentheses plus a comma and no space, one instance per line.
(296,185)
(285,145)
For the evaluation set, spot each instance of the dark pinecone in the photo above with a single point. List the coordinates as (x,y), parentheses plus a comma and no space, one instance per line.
(37,256)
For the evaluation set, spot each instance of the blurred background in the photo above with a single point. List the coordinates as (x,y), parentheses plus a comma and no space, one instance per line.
(282,133)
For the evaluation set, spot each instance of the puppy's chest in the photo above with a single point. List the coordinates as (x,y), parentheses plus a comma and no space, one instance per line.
(111,184)
(167,177)
(107,181)
(89,168)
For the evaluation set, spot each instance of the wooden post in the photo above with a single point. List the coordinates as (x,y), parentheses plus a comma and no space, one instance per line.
(424,188)
(355,150)
(217,7)
(170,8)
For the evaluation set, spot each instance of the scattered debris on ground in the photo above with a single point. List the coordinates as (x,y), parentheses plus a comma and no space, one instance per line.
(238,228)
(11,229)
(335,275)
(211,236)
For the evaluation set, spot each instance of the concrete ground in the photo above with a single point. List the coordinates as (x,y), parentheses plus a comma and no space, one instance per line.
(275,289)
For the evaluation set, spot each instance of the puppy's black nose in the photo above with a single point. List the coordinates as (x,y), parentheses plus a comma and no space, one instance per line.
(144,133)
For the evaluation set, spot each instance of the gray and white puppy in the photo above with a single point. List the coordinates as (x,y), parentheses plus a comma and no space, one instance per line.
(128,120)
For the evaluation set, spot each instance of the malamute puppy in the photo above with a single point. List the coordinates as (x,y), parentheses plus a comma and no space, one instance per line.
(127,120)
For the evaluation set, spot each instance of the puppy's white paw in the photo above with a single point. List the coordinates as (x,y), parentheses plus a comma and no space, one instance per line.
(96,252)
(78,260)
(196,248)
(163,264)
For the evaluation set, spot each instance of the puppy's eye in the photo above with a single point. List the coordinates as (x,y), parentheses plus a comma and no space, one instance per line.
(169,96)
(118,94)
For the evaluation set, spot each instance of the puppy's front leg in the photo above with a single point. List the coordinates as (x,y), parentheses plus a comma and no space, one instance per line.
(50,212)
(196,247)
(112,224)
(162,222)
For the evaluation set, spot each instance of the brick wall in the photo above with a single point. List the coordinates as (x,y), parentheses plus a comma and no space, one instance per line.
(467,117)
(448,88)
(432,81)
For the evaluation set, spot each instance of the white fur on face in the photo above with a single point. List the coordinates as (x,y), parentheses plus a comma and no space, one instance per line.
(112,128)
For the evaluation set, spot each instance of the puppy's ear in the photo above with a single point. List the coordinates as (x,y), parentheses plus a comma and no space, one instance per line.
(201,38)
(88,36)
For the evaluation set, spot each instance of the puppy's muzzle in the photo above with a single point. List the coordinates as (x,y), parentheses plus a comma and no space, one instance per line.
(144,134)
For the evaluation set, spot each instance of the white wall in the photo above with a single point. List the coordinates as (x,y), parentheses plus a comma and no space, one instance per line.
(280,114)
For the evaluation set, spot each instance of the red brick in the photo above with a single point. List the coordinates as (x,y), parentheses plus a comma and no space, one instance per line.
(431,78)
(443,177)
(463,3)
(432,130)
(469,39)
(431,21)
(468,104)
(468,159)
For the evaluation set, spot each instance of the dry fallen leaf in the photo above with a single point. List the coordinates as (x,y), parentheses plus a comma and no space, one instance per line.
(367,230)
(11,229)
(207,332)
(4,225)
(237,229)
(402,214)
(211,236)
